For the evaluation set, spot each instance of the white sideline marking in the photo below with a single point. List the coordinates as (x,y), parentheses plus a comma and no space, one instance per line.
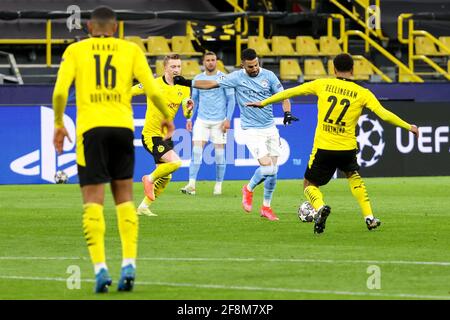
(247,288)
(431,263)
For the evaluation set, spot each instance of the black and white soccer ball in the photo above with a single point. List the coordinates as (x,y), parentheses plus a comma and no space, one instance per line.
(369,135)
(61,177)
(306,212)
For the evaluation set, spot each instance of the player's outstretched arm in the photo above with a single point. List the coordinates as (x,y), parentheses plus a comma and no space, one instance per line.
(388,116)
(205,84)
(301,90)
(256,104)
(182,81)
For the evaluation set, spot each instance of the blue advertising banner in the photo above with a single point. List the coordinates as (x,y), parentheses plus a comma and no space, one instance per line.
(28,156)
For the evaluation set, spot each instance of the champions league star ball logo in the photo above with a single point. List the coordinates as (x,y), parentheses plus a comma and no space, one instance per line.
(369,135)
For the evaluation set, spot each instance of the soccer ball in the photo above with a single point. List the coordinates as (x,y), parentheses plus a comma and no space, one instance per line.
(306,212)
(370,141)
(61,177)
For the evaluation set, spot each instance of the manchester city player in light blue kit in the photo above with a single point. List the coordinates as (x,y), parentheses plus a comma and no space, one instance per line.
(260,134)
(215,109)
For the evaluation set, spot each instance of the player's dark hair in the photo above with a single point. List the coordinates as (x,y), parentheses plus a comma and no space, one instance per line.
(208,53)
(249,54)
(343,62)
(103,14)
(173,56)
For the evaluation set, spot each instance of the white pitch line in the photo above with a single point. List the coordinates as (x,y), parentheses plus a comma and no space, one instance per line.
(188,259)
(249,288)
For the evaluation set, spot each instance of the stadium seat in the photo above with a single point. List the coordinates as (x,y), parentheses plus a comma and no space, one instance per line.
(331,68)
(260,45)
(138,41)
(183,46)
(159,66)
(314,69)
(362,70)
(329,46)
(425,46)
(190,68)
(282,46)
(446,42)
(306,46)
(290,69)
(221,66)
(158,46)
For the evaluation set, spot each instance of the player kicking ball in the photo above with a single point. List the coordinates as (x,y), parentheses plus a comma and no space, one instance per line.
(340,104)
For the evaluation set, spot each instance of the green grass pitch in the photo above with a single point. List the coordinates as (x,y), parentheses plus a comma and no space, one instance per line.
(206,247)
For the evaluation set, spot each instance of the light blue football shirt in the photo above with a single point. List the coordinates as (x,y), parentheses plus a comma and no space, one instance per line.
(213,104)
(251,89)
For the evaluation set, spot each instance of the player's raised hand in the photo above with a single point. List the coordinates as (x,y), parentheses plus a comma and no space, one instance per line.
(256,104)
(58,138)
(169,127)
(288,118)
(414,130)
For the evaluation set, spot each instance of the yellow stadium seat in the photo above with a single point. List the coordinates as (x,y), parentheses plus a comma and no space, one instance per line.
(446,42)
(329,46)
(290,69)
(138,41)
(331,68)
(190,68)
(159,66)
(282,46)
(221,66)
(314,69)
(260,45)
(158,46)
(448,66)
(362,70)
(306,46)
(183,46)
(425,46)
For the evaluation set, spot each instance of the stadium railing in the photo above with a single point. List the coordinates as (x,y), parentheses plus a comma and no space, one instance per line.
(422,44)
(412,77)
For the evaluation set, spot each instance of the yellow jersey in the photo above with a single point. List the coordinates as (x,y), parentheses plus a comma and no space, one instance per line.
(103,69)
(340,103)
(176,95)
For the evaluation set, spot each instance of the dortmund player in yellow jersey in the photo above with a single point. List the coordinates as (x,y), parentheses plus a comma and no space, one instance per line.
(103,69)
(340,104)
(156,141)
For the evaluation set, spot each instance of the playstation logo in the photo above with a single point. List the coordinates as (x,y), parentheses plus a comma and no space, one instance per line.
(44,161)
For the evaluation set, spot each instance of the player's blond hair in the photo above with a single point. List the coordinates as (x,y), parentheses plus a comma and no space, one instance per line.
(173,56)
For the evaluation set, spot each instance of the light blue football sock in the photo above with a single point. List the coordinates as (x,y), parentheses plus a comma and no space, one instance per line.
(269,188)
(220,164)
(194,167)
(257,178)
